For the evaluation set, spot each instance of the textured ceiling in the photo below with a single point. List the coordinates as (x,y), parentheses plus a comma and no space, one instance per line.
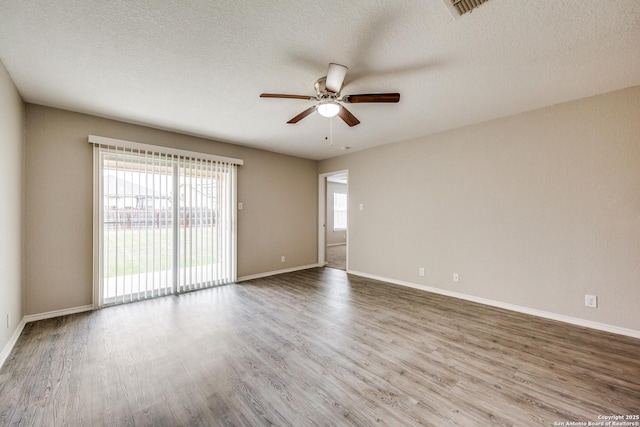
(198,67)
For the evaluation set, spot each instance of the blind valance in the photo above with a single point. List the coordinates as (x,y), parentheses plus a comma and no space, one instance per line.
(137,146)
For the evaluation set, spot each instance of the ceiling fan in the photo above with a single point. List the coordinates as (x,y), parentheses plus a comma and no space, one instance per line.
(330,100)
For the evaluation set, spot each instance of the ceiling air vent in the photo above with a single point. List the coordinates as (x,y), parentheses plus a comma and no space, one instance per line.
(460,7)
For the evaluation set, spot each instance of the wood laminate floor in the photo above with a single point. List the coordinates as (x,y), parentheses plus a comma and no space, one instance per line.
(336,256)
(316,347)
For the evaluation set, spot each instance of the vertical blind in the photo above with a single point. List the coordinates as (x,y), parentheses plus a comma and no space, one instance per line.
(164,223)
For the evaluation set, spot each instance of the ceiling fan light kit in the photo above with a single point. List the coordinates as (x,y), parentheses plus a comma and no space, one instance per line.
(328,108)
(328,91)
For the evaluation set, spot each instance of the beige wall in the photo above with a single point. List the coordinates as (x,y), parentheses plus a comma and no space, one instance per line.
(11,204)
(536,210)
(334,237)
(278,193)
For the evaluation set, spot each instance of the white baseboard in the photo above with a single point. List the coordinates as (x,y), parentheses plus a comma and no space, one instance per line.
(12,342)
(512,307)
(32,318)
(273,273)
(57,313)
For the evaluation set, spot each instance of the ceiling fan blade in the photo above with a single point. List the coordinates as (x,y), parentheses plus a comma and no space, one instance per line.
(335,77)
(280,95)
(372,97)
(348,118)
(302,115)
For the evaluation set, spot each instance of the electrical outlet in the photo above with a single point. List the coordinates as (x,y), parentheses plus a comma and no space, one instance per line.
(282,258)
(421,271)
(456,277)
(591,301)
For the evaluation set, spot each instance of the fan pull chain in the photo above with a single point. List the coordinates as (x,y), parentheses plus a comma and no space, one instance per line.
(330,137)
(330,131)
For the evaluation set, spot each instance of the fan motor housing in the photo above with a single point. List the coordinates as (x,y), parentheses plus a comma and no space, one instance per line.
(321,89)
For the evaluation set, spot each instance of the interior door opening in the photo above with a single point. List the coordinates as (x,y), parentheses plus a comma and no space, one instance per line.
(333,220)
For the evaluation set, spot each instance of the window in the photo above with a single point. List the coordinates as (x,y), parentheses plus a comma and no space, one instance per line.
(339,211)
(164,221)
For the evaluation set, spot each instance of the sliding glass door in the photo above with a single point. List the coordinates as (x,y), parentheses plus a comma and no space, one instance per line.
(166,224)
(137,226)
(205,234)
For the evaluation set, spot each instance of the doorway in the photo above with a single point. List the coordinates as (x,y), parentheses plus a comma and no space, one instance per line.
(333,219)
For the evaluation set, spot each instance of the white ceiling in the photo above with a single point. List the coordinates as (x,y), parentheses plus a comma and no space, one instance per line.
(198,67)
